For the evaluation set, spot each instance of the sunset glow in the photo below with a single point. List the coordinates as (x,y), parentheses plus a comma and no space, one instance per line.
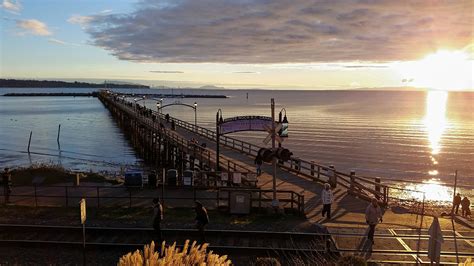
(442,70)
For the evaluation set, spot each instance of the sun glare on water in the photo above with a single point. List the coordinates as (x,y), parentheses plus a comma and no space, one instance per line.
(443,70)
(433,190)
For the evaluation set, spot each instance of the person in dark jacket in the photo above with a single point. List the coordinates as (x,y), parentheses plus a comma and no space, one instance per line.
(7,184)
(157,218)
(258,162)
(465,205)
(456,202)
(201,219)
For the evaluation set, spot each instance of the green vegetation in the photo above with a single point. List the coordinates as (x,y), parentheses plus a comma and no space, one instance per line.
(48,174)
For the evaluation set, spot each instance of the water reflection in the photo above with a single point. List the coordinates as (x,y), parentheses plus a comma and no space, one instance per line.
(435,122)
(433,190)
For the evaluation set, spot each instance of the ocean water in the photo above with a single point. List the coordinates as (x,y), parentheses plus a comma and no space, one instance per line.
(401,135)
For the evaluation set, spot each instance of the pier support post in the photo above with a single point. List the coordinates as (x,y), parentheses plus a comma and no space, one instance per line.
(377,187)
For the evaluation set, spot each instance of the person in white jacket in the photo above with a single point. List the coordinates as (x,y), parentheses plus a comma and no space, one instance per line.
(327,199)
(373,214)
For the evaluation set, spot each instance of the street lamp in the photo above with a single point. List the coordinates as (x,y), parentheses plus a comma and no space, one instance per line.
(144,102)
(195,115)
(218,133)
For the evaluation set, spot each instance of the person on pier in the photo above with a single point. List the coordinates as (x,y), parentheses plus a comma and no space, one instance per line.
(258,162)
(373,215)
(201,219)
(327,198)
(465,206)
(157,218)
(456,203)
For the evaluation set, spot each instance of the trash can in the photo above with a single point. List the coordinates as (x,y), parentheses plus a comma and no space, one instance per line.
(188,178)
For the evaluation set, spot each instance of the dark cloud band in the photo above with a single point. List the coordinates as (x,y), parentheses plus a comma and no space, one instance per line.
(283,31)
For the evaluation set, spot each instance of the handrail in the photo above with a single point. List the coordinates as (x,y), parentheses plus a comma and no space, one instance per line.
(306,168)
(309,169)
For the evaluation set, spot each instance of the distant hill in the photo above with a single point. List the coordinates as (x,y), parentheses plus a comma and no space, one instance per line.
(211,87)
(19,83)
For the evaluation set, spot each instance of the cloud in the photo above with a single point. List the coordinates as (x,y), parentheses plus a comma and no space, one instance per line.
(80,20)
(32,26)
(12,6)
(282,31)
(166,71)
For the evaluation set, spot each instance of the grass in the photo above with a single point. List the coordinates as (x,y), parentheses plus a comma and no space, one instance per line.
(141,217)
(50,174)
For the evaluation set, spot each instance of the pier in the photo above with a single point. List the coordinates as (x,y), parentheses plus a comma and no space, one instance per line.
(164,141)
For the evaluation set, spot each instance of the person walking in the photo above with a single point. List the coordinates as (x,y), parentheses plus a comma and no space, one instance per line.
(456,202)
(327,199)
(7,184)
(201,219)
(373,214)
(157,218)
(258,162)
(465,207)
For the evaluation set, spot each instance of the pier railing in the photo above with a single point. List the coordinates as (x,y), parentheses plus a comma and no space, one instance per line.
(201,153)
(362,187)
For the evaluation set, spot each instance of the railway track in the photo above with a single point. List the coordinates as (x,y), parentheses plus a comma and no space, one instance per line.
(252,243)
(230,242)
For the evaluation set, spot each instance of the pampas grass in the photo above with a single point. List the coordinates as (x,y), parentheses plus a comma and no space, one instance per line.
(171,255)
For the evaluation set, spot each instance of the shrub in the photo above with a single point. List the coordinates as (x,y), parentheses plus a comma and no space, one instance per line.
(171,255)
(468,262)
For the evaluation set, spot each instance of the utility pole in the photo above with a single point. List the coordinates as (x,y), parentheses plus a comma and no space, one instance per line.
(275,202)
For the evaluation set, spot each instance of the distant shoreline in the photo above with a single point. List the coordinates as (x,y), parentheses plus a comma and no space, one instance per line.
(95,94)
(16,83)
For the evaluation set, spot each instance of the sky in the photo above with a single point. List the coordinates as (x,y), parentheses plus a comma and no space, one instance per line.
(279,44)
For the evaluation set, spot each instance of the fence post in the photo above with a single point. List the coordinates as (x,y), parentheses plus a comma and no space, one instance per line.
(36,199)
(319,172)
(67,197)
(352,181)
(302,204)
(292,201)
(98,198)
(312,169)
(377,187)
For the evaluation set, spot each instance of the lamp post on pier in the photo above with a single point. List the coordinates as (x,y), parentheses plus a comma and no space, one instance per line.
(195,115)
(275,202)
(218,133)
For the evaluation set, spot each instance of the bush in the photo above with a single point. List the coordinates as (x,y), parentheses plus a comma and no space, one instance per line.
(468,262)
(351,260)
(171,255)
